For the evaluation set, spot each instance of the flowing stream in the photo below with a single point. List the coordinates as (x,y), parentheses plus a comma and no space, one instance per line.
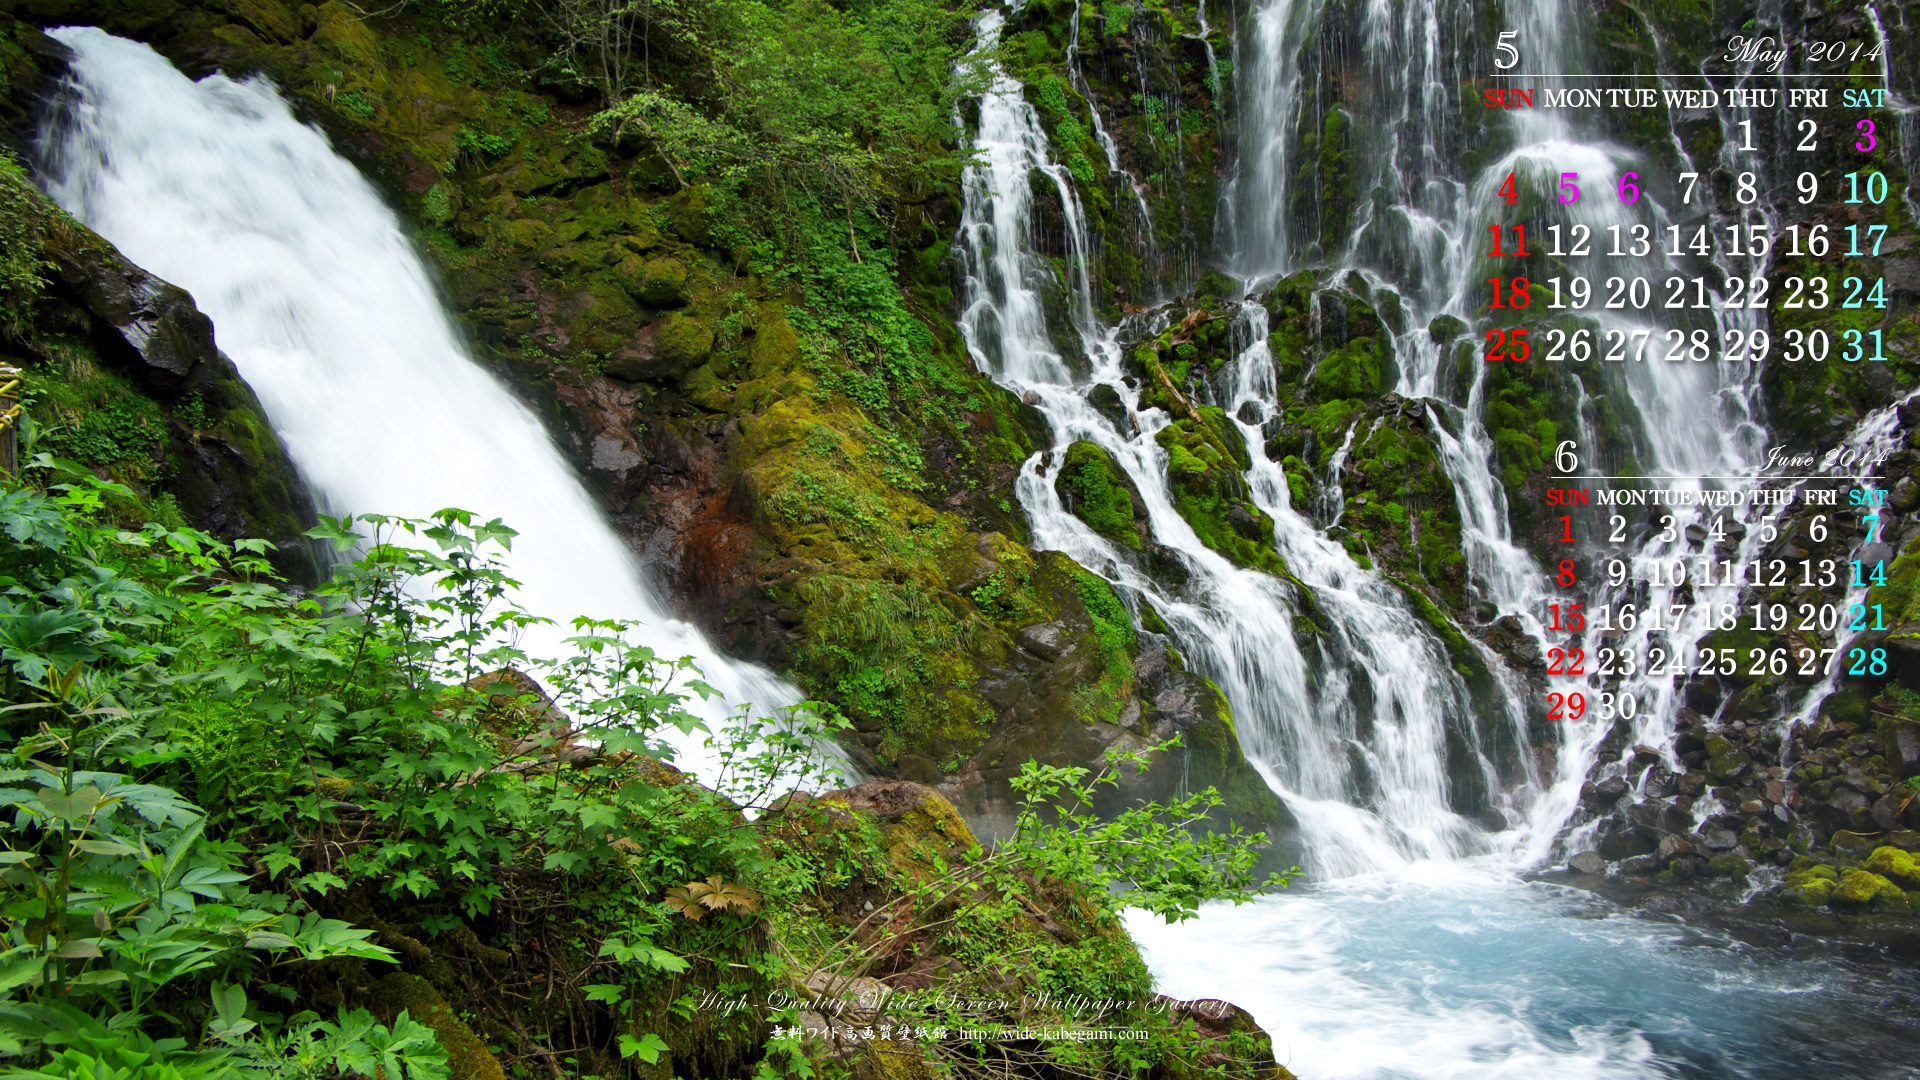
(1419,948)
(320,300)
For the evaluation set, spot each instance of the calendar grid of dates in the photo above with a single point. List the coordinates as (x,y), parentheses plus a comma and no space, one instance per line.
(1774,255)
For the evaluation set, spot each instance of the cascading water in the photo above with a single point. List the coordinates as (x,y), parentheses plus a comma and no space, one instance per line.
(1420,950)
(1235,625)
(323,305)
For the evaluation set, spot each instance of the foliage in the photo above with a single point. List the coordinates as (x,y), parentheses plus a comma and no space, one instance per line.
(850,106)
(404,775)
(24,219)
(995,910)
(142,663)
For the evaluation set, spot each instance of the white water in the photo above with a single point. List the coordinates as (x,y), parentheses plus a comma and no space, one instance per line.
(323,305)
(1418,950)
(1237,626)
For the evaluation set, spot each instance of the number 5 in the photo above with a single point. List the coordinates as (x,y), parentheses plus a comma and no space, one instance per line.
(1569,191)
(1507,48)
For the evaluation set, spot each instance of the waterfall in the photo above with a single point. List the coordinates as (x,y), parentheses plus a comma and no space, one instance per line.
(1418,924)
(322,303)
(1362,717)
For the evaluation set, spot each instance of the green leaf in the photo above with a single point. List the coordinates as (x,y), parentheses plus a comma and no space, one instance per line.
(21,965)
(74,807)
(77,949)
(647,1048)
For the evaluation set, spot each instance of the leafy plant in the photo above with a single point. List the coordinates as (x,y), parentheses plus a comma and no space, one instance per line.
(24,219)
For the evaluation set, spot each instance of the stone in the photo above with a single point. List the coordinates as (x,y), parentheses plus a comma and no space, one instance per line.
(1905,496)
(910,815)
(1445,328)
(666,348)
(1672,845)
(1860,888)
(613,454)
(1660,784)
(1049,640)
(1587,862)
(1603,794)
(1897,866)
(1847,800)
(660,283)
(1650,814)
(1886,811)
(1719,839)
(1813,893)
(1725,761)
(1900,746)
(1620,840)
(1729,865)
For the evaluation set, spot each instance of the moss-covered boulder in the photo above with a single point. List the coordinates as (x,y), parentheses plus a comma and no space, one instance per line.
(1098,492)
(1812,892)
(1205,457)
(1897,866)
(659,282)
(1858,889)
(1725,759)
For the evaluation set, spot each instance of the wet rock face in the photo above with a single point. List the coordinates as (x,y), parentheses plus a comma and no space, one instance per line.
(1836,819)
(237,481)
(143,394)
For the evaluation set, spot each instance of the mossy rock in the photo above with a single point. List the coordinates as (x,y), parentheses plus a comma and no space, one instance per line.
(1729,865)
(660,282)
(918,827)
(1098,492)
(1212,495)
(684,343)
(668,348)
(1862,888)
(1445,328)
(1895,865)
(1352,371)
(1724,759)
(1814,892)
(467,1056)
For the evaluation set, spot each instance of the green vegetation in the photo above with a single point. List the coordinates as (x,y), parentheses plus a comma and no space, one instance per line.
(1099,493)
(24,218)
(383,786)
